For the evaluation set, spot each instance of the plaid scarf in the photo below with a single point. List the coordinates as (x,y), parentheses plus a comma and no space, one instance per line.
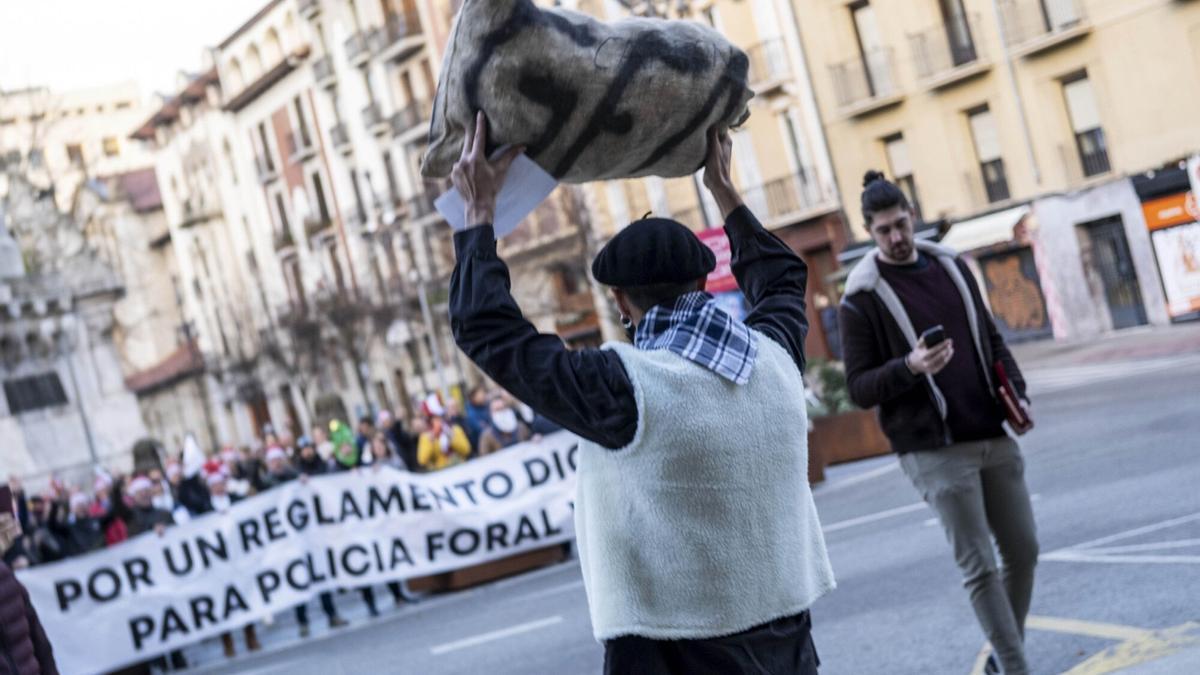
(700,331)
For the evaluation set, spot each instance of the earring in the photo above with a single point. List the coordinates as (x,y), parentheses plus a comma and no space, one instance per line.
(626,322)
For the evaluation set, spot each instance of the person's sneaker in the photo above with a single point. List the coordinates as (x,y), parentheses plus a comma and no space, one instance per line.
(338,622)
(304,630)
(992,667)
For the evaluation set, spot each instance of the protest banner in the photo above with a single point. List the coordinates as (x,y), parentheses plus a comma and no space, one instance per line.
(152,594)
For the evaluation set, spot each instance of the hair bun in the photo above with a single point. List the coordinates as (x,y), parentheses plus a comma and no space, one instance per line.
(872,176)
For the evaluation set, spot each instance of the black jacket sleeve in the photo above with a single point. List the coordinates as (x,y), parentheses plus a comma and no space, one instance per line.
(587,392)
(996,343)
(774,280)
(871,376)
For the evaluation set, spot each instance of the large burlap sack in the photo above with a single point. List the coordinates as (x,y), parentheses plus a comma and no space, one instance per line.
(590,100)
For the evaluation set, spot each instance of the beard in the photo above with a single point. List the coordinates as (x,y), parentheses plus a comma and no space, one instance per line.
(900,251)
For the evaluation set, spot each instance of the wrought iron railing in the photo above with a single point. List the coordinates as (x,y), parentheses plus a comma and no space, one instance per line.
(865,78)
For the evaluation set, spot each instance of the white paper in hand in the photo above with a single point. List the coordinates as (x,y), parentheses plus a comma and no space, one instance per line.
(525,186)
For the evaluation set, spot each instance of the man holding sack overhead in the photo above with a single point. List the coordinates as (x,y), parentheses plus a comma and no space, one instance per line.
(699,541)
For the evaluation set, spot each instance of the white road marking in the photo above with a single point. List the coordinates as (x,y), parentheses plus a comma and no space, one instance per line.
(870,518)
(1142,548)
(1095,551)
(438,650)
(825,489)
(1146,529)
(1083,557)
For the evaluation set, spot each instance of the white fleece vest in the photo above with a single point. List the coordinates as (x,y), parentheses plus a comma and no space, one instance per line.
(705,524)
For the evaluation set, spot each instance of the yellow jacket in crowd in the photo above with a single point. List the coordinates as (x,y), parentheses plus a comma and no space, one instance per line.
(431,455)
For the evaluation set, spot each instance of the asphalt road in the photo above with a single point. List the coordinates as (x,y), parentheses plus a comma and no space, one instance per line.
(1115,470)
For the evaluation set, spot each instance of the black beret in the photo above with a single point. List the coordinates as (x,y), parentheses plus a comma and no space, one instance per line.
(653,251)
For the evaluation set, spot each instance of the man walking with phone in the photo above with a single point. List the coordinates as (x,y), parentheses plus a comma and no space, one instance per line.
(919,343)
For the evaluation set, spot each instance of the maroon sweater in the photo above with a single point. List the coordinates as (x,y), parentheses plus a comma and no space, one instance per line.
(24,649)
(931,298)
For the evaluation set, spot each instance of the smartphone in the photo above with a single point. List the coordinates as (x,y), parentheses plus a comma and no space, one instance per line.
(934,336)
(6,499)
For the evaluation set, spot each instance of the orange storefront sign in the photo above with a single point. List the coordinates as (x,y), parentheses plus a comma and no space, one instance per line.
(1170,211)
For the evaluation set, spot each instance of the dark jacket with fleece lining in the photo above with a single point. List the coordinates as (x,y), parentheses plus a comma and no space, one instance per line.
(877,335)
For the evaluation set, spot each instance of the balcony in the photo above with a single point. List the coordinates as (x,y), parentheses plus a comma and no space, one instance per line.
(1088,158)
(267,171)
(402,37)
(866,83)
(358,48)
(300,147)
(947,54)
(373,119)
(316,224)
(413,116)
(341,138)
(284,241)
(987,185)
(309,8)
(790,199)
(769,68)
(196,211)
(323,71)
(1032,27)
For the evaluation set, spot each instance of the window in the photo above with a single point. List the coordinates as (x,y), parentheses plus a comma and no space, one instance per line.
(229,160)
(390,172)
(75,154)
(987,149)
(305,140)
(366,75)
(285,228)
(359,209)
(268,162)
(111,147)
(124,105)
(295,284)
(337,267)
(902,170)
(958,32)
(319,191)
(1085,122)
(794,145)
(35,392)
(870,46)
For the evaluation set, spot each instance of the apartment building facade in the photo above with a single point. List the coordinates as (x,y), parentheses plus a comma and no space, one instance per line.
(1018,124)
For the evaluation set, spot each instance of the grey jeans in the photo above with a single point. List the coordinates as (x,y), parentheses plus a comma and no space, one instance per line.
(978,490)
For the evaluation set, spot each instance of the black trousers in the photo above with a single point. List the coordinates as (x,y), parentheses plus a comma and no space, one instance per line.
(326,605)
(781,647)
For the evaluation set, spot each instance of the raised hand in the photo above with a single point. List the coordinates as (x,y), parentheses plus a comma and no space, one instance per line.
(717,171)
(477,179)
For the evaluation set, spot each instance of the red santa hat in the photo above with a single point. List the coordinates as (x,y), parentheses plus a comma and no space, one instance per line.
(275,452)
(432,406)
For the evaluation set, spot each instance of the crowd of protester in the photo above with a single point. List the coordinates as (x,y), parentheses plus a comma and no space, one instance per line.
(67,521)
